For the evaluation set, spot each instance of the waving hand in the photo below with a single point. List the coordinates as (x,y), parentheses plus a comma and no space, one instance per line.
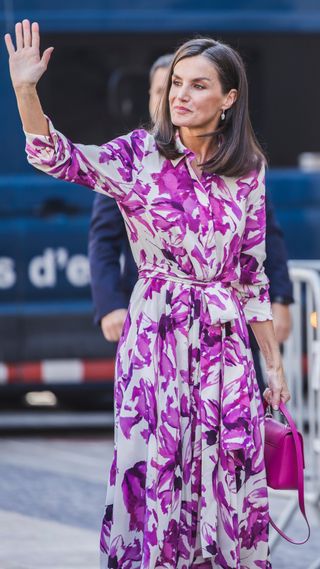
(26,65)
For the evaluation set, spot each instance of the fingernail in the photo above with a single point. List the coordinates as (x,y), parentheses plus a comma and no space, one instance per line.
(276,407)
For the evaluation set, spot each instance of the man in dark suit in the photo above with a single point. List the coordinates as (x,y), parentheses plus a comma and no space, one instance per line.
(108,243)
(114,273)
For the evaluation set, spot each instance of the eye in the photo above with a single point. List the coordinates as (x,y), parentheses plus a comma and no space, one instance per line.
(198,86)
(176,82)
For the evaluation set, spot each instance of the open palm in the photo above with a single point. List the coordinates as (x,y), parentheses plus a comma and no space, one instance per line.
(26,65)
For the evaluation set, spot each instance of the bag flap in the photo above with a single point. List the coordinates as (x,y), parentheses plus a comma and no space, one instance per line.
(275,432)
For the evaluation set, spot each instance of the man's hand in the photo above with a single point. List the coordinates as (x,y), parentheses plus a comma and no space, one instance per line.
(112,324)
(281,321)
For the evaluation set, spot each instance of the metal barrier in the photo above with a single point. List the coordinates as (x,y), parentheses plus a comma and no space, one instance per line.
(301,358)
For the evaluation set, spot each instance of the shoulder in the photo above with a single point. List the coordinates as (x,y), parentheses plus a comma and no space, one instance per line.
(256,174)
(143,143)
(255,177)
(251,185)
(132,153)
(250,175)
(139,142)
(127,153)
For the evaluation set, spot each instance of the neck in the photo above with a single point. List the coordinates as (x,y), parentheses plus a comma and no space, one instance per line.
(202,147)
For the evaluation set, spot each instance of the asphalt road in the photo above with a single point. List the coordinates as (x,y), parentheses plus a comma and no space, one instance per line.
(52,496)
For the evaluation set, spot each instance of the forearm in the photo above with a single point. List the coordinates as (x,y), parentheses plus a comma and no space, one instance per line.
(47,149)
(269,347)
(30,110)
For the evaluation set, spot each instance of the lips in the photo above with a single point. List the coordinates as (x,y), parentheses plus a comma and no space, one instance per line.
(182,109)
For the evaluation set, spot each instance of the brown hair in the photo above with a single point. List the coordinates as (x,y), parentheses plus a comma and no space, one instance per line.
(238,151)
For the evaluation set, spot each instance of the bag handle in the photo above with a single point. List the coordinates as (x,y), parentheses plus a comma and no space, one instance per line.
(299,455)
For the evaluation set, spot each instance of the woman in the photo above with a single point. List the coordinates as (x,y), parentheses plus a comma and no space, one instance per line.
(187,485)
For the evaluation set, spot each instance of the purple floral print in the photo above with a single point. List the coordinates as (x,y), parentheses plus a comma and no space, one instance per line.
(187,486)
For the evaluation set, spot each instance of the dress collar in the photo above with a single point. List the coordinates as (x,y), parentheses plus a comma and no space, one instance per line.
(184,151)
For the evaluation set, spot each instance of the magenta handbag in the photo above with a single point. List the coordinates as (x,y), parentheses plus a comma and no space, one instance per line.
(284,460)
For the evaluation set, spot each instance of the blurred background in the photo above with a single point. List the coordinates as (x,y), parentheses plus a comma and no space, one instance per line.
(56,369)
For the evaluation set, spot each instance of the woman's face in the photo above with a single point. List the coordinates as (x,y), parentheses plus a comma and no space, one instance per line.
(195,98)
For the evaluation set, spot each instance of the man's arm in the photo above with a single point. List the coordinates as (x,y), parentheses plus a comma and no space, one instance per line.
(106,237)
(276,262)
(276,267)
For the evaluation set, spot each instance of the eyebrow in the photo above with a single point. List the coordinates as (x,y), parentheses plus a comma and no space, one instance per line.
(195,79)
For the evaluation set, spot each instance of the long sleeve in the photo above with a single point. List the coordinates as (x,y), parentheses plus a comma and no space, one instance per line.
(276,262)
(111,168)
(106,240)
(253,283)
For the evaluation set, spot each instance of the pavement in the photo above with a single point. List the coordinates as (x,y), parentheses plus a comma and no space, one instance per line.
(51,500)
(52,496)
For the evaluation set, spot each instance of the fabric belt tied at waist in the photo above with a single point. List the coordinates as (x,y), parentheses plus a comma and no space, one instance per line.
(217,295)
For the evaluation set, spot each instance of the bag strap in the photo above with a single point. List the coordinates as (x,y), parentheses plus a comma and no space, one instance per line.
(299,455)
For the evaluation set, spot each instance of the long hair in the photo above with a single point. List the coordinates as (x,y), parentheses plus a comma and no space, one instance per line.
(238,151)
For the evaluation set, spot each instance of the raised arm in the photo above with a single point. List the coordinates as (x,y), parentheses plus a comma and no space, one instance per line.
(111,168)
(26,68)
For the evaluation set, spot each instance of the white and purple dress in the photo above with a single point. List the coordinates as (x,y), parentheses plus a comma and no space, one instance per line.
(187,486)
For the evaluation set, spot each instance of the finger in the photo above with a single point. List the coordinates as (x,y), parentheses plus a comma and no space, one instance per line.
(9,44)
(35,36)
(19,36)
(275,400)
(267,394)
(285,397)
(46,56)
(26,33)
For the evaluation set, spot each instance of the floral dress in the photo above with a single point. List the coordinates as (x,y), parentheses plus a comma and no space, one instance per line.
(187,486)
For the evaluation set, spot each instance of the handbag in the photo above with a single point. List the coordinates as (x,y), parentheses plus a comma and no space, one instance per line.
(284,460)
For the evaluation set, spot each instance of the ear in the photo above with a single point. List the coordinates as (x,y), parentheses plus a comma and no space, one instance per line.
(230,99)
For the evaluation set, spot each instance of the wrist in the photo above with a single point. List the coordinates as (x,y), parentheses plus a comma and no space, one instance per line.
(25,89)
(275,366)
(273,360)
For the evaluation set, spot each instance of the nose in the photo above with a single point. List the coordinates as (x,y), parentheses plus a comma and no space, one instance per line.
(182,93)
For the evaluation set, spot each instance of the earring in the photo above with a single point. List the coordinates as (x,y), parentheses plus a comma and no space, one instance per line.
(223,115)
